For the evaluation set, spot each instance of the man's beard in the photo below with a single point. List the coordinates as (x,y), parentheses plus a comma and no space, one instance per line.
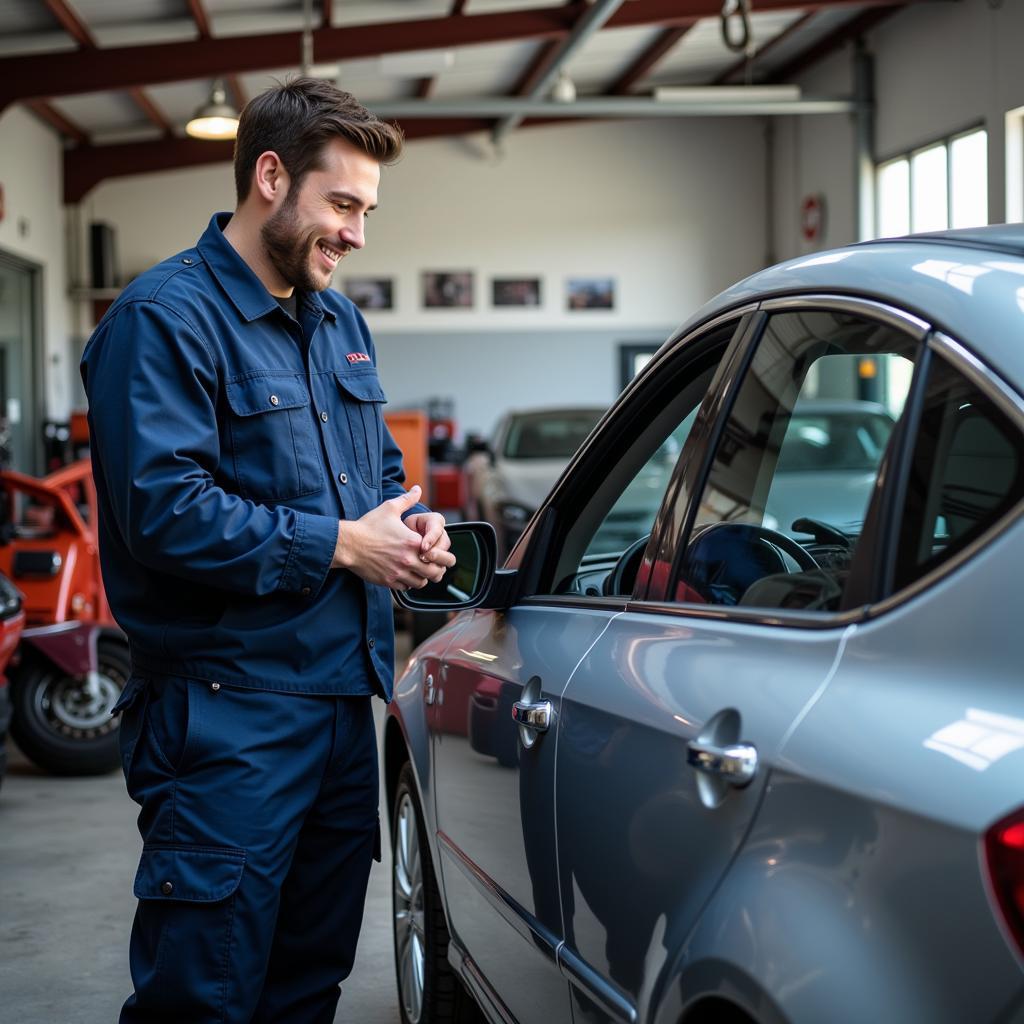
(289,251)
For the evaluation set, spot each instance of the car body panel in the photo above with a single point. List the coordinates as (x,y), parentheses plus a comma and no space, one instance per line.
(649,686)
(494,798)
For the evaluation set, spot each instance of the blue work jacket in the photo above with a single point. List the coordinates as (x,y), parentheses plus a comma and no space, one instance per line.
(227,441)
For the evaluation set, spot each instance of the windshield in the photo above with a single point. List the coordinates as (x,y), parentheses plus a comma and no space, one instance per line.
(852,441)
(549,435)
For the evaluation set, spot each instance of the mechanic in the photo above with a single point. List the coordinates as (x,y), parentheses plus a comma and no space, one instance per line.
(252,516)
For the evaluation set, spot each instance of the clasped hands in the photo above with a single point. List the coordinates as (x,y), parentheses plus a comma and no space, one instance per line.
(380,548)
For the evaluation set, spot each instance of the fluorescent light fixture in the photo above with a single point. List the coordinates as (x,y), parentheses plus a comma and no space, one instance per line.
(726,93)
(419,64)
(214,120)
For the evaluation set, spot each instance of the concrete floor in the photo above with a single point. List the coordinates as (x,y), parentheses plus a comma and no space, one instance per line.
(68,853)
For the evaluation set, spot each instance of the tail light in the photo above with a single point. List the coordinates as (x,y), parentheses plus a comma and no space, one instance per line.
(1004,854)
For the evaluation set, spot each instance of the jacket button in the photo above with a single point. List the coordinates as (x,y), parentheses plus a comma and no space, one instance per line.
(167,888)
(370,643)
(323,416)
(187,261)
(215,687)
(305,591)
(343,478)
(274,400)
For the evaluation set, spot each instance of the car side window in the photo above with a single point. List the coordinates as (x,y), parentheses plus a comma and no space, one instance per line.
(795,466)
(608,529)
(966,473)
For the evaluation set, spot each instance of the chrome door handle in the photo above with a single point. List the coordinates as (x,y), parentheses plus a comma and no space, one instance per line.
(735,763)
(537,717)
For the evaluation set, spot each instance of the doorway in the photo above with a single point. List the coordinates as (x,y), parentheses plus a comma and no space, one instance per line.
(20,348)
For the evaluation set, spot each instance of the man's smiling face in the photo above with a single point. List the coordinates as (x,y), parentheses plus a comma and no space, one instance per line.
(322,219)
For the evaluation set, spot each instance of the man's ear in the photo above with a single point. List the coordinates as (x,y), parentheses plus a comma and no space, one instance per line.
(271,179)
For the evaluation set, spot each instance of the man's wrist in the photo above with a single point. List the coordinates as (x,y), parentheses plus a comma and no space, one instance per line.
(343,546)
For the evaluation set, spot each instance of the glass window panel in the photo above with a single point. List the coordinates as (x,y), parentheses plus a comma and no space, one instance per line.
(967,471)
(969,180)
(929,202)
(781,514)
(894,198)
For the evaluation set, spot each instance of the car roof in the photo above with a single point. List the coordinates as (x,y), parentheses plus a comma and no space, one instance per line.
(966,283)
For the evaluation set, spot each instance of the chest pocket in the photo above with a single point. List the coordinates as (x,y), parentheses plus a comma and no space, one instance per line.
(363,399)
(274,451)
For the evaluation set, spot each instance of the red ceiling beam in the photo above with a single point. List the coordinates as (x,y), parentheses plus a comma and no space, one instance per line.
(647,60)
(55,119)
(75,27)
(151,110)
(33,75)
(426,86)
(71,23)
(234,84)
(733,72)
(537,68)
(86,166)
(857,26)
(198,11)
(64,74)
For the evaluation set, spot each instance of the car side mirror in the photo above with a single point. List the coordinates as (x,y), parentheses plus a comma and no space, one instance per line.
(468,583)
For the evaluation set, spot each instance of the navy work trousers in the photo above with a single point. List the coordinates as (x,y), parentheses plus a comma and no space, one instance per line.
(259,823)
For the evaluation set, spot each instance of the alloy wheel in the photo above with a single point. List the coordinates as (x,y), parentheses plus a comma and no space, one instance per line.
(408,908)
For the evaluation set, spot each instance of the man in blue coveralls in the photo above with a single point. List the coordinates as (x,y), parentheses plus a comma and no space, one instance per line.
(252,517)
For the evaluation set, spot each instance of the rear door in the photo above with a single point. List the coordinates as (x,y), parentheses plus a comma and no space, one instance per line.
(671,724)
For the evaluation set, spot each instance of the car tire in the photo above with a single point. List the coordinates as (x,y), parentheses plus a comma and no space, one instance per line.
(429,992)
(49,722)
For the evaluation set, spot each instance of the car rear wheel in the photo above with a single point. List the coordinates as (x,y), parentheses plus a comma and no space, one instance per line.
(428,990)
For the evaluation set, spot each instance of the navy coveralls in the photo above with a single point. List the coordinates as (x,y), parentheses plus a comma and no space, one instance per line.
(228,439)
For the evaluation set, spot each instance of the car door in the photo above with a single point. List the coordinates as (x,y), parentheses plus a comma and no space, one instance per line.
(671,723)
(498,702)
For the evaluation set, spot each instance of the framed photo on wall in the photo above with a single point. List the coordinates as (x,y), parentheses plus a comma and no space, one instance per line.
(371,292)
(589,293)
(515,291)
(447,289)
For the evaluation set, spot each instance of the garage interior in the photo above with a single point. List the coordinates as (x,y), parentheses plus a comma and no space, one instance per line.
(662,148)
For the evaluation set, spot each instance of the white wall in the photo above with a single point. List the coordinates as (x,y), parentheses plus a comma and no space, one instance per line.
(31,166)
(672,211)
(939,68)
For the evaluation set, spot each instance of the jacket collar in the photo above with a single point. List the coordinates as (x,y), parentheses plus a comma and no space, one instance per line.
(246,291)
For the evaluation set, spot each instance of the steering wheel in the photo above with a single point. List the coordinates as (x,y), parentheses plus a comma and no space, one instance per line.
(625,569)
(724,559)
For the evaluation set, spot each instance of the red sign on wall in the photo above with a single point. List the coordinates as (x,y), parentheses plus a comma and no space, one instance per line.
(812,217)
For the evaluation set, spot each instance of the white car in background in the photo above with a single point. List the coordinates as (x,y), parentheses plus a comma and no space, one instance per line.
(828,464)
(509,477)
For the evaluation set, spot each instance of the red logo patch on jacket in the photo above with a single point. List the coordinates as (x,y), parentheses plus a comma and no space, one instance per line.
(357,357)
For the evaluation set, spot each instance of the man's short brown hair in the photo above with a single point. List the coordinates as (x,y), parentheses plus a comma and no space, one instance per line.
(295,119)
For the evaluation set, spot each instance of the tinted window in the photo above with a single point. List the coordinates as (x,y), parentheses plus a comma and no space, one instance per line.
(609,521)
(967,471)
(793,474)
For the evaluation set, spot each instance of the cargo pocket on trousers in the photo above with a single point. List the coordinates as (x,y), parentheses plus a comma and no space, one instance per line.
(186,911)
(131,706)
